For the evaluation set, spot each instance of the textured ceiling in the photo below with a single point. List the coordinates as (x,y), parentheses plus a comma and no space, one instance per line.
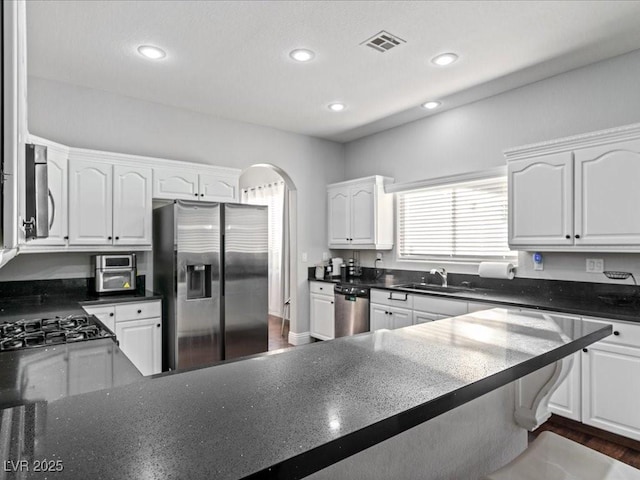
(230,59)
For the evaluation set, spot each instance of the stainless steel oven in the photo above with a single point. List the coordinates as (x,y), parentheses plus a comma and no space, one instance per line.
(115,272)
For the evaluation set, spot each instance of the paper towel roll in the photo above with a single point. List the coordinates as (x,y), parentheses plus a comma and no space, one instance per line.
(496,270)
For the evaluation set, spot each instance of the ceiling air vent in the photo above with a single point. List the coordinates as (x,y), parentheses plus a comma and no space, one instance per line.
(383,41)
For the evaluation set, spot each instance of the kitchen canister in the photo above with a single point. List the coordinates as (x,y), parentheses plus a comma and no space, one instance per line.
(319,272)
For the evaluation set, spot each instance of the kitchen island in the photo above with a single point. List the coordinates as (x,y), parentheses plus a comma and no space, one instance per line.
(290,413)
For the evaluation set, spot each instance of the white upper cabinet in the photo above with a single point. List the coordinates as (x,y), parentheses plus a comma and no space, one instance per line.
(132,205)
(360,214)
(109,204)
(541,200)
(206,183)
(90,202)
(577,194)
(363,214)
(339,216)
(175,184)
(218,188)
(607,195)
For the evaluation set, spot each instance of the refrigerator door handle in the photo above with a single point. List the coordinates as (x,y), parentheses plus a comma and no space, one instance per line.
(222,273)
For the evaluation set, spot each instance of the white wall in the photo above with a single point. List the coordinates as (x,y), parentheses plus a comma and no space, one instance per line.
(256,176)
(38,266)
(473,137)
(83,117)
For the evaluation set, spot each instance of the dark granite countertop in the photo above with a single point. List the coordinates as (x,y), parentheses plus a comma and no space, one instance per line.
(289,413)
(54,372)
(571,300)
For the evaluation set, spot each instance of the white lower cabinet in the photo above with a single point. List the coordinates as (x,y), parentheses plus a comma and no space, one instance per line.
(566,400)
(386,317)
(322,316)
(424,317)
(603,388)
(611,388)
(138,329)
(141,341)
(322,311)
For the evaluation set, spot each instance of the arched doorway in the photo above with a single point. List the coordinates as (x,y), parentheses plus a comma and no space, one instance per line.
(266,184)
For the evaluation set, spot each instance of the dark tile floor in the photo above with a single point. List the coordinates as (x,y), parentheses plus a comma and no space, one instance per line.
(615,446)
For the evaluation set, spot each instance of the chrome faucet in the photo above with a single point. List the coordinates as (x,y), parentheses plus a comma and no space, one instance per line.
(442,272)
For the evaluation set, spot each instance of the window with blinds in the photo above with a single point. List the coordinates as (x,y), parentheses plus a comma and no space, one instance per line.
(459,221)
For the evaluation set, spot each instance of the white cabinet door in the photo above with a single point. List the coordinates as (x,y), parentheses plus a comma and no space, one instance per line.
(173,184)
(379,318)
(141,342)
(541,200)
(607,195)
(322,317)
(90,203)
(424,317)
(57,164)
(90,369)
(132,205)
(218,188)
(611,388)
(105,314)
(400,317)
(566,400)
(362,200)
(382,316)
(339,216)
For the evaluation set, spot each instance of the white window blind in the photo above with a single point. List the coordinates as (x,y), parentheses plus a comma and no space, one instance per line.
(458,221)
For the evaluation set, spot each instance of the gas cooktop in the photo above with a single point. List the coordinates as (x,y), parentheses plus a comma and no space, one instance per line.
(44,332)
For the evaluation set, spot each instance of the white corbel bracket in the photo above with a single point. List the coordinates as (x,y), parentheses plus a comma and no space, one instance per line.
(534,390)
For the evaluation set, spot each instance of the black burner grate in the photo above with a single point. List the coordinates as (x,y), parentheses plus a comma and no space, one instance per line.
(50,331)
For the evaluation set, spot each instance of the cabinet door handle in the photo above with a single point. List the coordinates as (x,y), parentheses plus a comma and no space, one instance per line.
(202,194)
(109,238)
(567,236)
(117,238)
(331,303)
(585,350)
(67,237)
(158,325)
(139,311)
(195,194)
(616,333)
(111,314)
(577,236)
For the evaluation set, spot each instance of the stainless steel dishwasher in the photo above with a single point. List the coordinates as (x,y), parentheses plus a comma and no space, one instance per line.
(351,310)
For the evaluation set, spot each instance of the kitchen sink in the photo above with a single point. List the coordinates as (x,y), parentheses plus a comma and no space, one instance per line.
(428,287)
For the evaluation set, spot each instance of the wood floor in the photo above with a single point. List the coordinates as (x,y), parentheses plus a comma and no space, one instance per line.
(276,340)
(615,446)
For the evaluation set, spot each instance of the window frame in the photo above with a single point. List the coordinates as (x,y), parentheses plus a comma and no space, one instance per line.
(443,182)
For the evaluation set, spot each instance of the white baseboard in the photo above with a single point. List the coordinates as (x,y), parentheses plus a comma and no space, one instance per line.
(299,338)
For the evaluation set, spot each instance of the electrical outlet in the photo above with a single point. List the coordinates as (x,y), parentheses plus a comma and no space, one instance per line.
(595,265)
(379,255)
(538,261)
(325,256)
(305,257)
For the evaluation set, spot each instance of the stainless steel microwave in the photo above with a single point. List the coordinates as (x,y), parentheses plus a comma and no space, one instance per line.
(115,272)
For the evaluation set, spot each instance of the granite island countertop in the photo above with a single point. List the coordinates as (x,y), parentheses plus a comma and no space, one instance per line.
(289,413)
(559,300)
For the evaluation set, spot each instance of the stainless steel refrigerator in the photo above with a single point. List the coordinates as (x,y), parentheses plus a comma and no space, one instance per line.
(210,263)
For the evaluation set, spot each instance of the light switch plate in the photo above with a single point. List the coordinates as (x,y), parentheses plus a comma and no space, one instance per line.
(595,265)
(305,257)
(325,256)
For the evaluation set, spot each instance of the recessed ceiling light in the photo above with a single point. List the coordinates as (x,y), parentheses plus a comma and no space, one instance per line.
(337,107)
(149,51)
(302,55)
(444,59)
(430,105)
